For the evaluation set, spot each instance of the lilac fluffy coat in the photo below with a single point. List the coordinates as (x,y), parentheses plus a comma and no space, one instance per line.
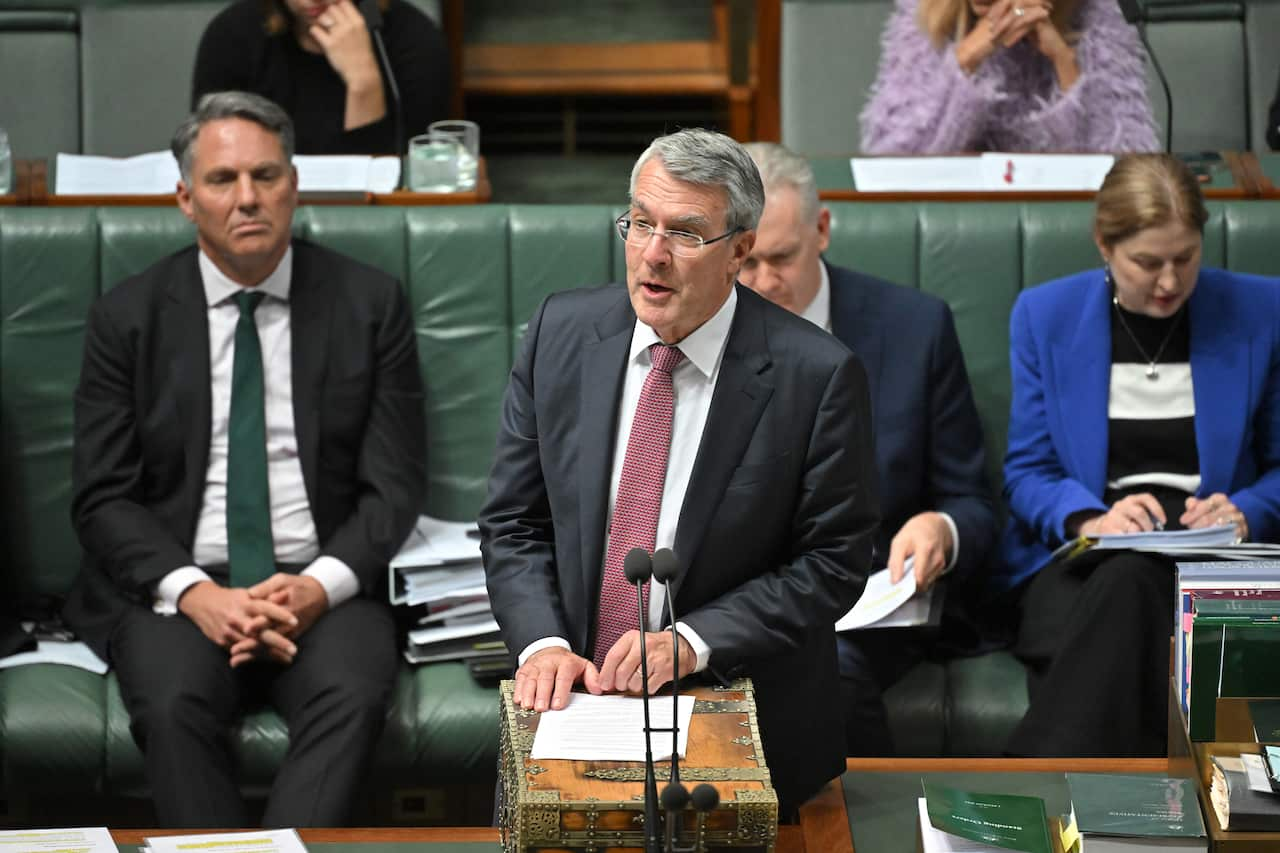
(923,103)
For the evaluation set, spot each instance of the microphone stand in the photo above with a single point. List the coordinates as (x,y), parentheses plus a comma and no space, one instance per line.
(674,795)
(373,21)
(638,568)
(1135,12)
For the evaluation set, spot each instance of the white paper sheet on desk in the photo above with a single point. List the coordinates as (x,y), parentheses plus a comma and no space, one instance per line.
(879,598)
(1051,172)
(346,173)
(609,728)
(94,839)
(917,174)
(153,173)
(56,651)
(255,841)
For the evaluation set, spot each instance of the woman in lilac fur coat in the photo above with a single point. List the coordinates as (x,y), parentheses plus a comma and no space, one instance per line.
(1009,75)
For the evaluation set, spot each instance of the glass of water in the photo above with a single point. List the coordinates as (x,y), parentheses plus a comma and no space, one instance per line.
(467,133)
(6,164)
(434,159)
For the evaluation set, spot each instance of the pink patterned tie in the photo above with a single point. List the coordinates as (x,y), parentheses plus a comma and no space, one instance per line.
(635,512)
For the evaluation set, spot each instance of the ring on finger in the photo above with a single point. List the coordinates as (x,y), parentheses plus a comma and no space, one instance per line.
(1019,11)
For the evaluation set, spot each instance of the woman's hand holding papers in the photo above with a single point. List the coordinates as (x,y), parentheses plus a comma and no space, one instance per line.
(1214,510)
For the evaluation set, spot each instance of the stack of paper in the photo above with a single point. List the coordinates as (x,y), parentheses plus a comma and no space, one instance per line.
(94,839)
(438,573)
(258,841)
(885,604)
(990,172)
(156,173)
(610,728)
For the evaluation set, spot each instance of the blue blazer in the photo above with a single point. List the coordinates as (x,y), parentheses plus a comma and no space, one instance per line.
(1056,464)
(929,450)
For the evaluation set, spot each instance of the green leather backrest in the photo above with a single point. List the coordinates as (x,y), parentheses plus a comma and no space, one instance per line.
(474,275)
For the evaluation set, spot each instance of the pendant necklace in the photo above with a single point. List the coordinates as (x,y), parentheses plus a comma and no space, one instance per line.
(1152,372)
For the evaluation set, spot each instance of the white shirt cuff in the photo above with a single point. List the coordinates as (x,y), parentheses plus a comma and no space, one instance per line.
(339,582)
(955,542)
(539,645)
(701,649)
(173,585)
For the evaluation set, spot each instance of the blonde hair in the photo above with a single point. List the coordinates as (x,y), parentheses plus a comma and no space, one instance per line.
(1146,191)
(951,20)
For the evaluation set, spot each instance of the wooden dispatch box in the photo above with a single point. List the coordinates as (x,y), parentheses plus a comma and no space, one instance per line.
(598,806)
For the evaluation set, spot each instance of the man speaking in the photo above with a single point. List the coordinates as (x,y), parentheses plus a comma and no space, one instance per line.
(685,412)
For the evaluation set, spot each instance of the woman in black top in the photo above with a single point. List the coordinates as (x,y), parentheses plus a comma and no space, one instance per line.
(316,59)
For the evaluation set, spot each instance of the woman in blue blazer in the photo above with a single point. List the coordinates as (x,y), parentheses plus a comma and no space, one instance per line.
(1145,395)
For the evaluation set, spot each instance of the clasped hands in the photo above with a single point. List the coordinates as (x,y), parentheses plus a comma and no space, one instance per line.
(1007,22)
(545,680)
(1142,512)
(261,622)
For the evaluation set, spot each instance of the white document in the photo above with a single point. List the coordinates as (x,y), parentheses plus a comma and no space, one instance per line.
(917,174)
(1052,172)
(346,173)
(1256,772)
(609,728)
(435,542)
(260,841)
(93,839)
(1158,540)
(934,840)
(441,633)
(54,651)
(154,173)
(880,598)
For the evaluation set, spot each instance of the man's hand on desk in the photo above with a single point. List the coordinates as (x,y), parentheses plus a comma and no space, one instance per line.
(621,670)
(546,679)
(232,618)
(927,537)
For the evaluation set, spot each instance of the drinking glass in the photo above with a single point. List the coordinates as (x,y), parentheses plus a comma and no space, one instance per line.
(467,133)
(433,163)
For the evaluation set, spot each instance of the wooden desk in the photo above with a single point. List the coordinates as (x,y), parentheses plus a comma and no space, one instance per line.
(1237,177)
(39,193)
(791,839)
(825,821)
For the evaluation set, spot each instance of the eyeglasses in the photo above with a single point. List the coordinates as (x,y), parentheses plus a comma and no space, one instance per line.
(682,243)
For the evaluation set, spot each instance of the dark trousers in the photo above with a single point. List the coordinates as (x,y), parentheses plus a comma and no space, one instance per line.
(184,701)
(1094,633)
(872,661)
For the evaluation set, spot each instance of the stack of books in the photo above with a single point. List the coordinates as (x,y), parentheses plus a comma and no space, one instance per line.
(1227,636)
(438,579)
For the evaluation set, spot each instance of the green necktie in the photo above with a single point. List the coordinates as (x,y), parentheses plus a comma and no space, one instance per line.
(249,548)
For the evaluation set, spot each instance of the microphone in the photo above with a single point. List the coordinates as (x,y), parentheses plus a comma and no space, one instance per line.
(705,799)
(373,21)
(665,568)
(1135,12)
(637,567)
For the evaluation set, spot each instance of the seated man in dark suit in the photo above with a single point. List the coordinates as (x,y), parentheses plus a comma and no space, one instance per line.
(685,412)
(249,453)
(935,504)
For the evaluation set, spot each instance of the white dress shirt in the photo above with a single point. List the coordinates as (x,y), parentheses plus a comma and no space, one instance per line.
(818,312)
(293,530)
(693,383)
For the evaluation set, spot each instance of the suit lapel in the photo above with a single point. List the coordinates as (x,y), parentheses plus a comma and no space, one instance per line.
(603,366)
(309,325)
(186,315)
(1220,382)
(1081,376)
(742,391)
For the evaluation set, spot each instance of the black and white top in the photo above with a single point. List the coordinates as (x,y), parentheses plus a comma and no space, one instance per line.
(1151,437)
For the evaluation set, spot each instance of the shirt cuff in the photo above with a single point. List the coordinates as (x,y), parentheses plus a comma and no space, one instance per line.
(955,542)
(173,585)
(701,649)
(339,582)
(539,645)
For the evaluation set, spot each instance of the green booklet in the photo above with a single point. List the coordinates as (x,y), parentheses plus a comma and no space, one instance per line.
(1003,820)
(1143,806)
(1266,720)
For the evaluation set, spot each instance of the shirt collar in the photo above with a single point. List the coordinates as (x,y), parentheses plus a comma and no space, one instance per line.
(818,312)
(218,288)
(703,347)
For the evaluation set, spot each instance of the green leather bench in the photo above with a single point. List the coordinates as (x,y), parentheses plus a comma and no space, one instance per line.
(474,274)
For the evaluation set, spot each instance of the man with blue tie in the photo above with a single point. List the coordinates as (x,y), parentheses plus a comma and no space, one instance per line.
(935,505)
(249,453)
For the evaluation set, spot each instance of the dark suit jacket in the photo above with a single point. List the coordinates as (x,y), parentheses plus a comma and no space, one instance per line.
(1060,338)
(142,421)
(929,450)
(775,532)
